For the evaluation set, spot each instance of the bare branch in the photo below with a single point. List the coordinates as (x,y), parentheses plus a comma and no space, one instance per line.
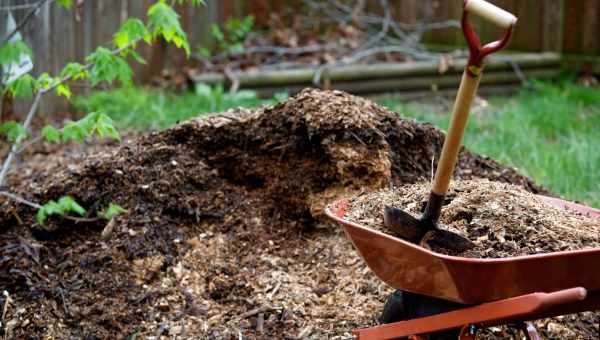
(385,26)
(20,199)
(23,22)
(382,34)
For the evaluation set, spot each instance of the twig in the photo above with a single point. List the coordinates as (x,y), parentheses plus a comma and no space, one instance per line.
(235,81)
(274,291)
(34,205)
(20,199)
(358,9)
(255,311)
(385,26)
(17,7)
(28,144)
(515,66)
(260,321)
(7,302)
(23,22)
(305,332)
(64,301)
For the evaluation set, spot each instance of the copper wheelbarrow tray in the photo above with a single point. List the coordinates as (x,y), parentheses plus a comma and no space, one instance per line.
(406,266)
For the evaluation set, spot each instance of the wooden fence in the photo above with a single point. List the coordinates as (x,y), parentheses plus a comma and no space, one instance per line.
(59,36)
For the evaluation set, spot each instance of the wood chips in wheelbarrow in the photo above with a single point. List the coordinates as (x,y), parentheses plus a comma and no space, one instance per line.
(502,220)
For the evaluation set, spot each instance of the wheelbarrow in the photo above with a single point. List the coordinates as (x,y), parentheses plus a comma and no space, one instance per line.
(480,292)
(495,291)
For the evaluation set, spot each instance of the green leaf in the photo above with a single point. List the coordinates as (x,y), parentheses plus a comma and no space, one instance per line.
(237,29)
(205,52)
(108,67)
(65,3)
(63,90)
(68,204)
(112,211)
(74,131)
(104,126)
(63,206)
(74,71)
(163,22)
(137,57)
(12,130)
(216,32)
(12,51)
(50,134)
(95,123)
(193,2)
(130,32)
(24,86)
(45,81)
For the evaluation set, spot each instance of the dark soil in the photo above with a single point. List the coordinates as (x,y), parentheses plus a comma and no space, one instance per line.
(224,234)
(501,220)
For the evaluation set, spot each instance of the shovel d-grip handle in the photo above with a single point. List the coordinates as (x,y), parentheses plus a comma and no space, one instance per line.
(464,98)
(494,14)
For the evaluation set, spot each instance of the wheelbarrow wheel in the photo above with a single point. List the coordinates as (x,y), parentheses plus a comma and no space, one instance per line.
(401,306)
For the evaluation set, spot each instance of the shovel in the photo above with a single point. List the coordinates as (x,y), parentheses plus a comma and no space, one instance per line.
(401,222)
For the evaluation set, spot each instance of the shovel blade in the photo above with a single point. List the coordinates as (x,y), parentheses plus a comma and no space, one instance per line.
(403,224)
(414,230)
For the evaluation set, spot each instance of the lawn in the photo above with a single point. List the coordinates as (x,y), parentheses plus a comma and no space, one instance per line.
(550,132)
(151,109)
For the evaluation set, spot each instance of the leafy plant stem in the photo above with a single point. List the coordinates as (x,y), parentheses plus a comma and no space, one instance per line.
(14,150)
(34,205)
(15,146)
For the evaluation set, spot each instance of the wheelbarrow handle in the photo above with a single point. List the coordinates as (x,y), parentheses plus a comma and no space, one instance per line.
(466,93)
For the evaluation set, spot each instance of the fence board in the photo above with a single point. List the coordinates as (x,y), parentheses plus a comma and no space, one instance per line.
(590,42)
(58,36)
(552,25)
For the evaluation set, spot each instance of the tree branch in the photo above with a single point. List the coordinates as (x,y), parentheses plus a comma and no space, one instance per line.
(23,22)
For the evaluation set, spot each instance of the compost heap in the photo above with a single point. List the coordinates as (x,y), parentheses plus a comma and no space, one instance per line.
(224,235)
(501,220)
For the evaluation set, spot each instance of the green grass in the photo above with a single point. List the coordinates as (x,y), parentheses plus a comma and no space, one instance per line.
(149,109)
(550,132)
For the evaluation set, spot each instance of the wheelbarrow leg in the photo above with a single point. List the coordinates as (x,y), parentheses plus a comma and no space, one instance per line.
(402,305)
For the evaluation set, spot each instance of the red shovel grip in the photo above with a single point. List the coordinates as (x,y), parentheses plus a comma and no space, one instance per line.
(476,52)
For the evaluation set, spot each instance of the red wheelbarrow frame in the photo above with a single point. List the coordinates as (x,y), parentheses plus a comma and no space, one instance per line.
(524,287)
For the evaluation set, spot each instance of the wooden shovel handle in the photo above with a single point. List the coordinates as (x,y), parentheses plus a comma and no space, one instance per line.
(458,121)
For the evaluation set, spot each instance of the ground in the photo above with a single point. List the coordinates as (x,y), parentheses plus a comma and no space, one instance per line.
(225,232)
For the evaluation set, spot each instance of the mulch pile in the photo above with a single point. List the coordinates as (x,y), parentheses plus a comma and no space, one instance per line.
(500,219)
(224,234)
